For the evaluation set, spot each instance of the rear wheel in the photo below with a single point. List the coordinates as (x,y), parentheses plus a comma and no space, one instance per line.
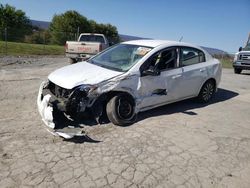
(237,71)
(121,110)
(207,91)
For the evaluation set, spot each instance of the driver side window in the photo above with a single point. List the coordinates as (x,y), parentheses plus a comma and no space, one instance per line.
(167,60)
(161,61)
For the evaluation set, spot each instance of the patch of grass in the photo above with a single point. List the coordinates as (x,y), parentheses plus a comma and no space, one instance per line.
(14,48)
(226,62)
(225,59)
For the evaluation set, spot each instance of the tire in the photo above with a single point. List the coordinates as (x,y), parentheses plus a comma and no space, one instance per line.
(121,110)
(72,61)
(237,71)
(207,91)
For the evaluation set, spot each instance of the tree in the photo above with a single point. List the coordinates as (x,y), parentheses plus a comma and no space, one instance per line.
(16,23)
(38,37)
(108,30)
(66,26)
(111,32)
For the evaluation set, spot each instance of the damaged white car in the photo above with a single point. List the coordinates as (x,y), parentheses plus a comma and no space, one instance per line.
(129,78)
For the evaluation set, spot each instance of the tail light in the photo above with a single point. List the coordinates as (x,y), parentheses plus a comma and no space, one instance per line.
(100,47)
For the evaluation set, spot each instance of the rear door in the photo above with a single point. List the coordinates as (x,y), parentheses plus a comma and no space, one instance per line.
(193,64)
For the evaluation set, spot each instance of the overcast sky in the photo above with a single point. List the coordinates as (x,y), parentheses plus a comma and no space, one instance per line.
(222,24)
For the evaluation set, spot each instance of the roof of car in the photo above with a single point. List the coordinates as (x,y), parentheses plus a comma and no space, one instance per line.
(155,43)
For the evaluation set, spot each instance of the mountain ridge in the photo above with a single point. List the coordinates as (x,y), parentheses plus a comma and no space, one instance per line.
(123,37)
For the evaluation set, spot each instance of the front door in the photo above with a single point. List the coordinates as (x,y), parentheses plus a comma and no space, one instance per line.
(160,86)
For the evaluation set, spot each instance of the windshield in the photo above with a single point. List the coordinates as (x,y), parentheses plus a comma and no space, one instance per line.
(120,57)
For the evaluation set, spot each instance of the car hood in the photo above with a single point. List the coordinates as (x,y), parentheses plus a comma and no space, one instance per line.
(77,74)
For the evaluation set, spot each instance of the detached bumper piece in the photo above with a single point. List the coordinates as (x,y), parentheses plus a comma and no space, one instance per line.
(55,120)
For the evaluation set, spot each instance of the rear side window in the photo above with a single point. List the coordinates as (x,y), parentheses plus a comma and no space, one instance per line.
(163,60)
(191,56)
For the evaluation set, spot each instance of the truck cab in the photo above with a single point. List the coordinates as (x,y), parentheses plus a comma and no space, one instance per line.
(242,58)
(87,45)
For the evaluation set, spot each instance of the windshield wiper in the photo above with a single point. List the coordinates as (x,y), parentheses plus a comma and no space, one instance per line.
(115,69)
(110,68)
(104,66)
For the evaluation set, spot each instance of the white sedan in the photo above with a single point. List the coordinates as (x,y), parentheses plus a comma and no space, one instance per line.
(129,78)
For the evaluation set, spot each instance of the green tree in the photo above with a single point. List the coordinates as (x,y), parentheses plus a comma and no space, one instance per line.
(66,26)
(108,30)
(111,32)
(16,23)
(38,37)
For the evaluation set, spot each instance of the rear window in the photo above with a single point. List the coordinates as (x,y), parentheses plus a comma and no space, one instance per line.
(92,38)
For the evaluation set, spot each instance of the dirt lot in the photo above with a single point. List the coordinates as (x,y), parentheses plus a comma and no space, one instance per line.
(179,145)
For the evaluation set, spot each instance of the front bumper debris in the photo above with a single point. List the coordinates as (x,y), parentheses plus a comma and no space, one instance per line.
(44,109)
(48,117)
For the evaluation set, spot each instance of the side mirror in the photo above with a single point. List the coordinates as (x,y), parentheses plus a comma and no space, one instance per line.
(240,49)
(151,72)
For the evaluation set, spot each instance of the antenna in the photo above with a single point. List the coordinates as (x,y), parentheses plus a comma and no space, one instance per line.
(181,39)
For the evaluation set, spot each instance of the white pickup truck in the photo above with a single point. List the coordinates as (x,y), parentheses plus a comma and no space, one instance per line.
(88,44)
(242,58)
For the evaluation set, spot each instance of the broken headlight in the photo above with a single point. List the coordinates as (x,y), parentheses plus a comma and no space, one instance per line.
(57,90)
(87,88)
(79,100)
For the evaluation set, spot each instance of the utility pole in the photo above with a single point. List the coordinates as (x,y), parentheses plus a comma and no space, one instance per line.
(181,39)
(5,36)
(248,40)
(44,41)
(78,30)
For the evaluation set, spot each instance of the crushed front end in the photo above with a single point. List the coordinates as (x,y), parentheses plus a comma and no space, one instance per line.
(58,106)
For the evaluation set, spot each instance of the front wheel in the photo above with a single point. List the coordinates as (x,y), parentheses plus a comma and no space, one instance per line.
(207,91)
(237,71)
(121,110)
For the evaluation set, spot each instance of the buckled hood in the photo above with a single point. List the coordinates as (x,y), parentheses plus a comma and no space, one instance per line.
(80,73)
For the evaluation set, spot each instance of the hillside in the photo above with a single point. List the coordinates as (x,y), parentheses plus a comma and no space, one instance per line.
(40,24)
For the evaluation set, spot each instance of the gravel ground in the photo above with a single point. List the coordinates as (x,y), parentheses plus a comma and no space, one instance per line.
(179,145)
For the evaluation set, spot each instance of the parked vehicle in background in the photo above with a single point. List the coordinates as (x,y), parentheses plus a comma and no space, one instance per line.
(88,44)
(129,78)
(242,58)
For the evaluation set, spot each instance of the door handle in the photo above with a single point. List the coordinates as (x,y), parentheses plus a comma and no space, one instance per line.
(202,70)
(176,76)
